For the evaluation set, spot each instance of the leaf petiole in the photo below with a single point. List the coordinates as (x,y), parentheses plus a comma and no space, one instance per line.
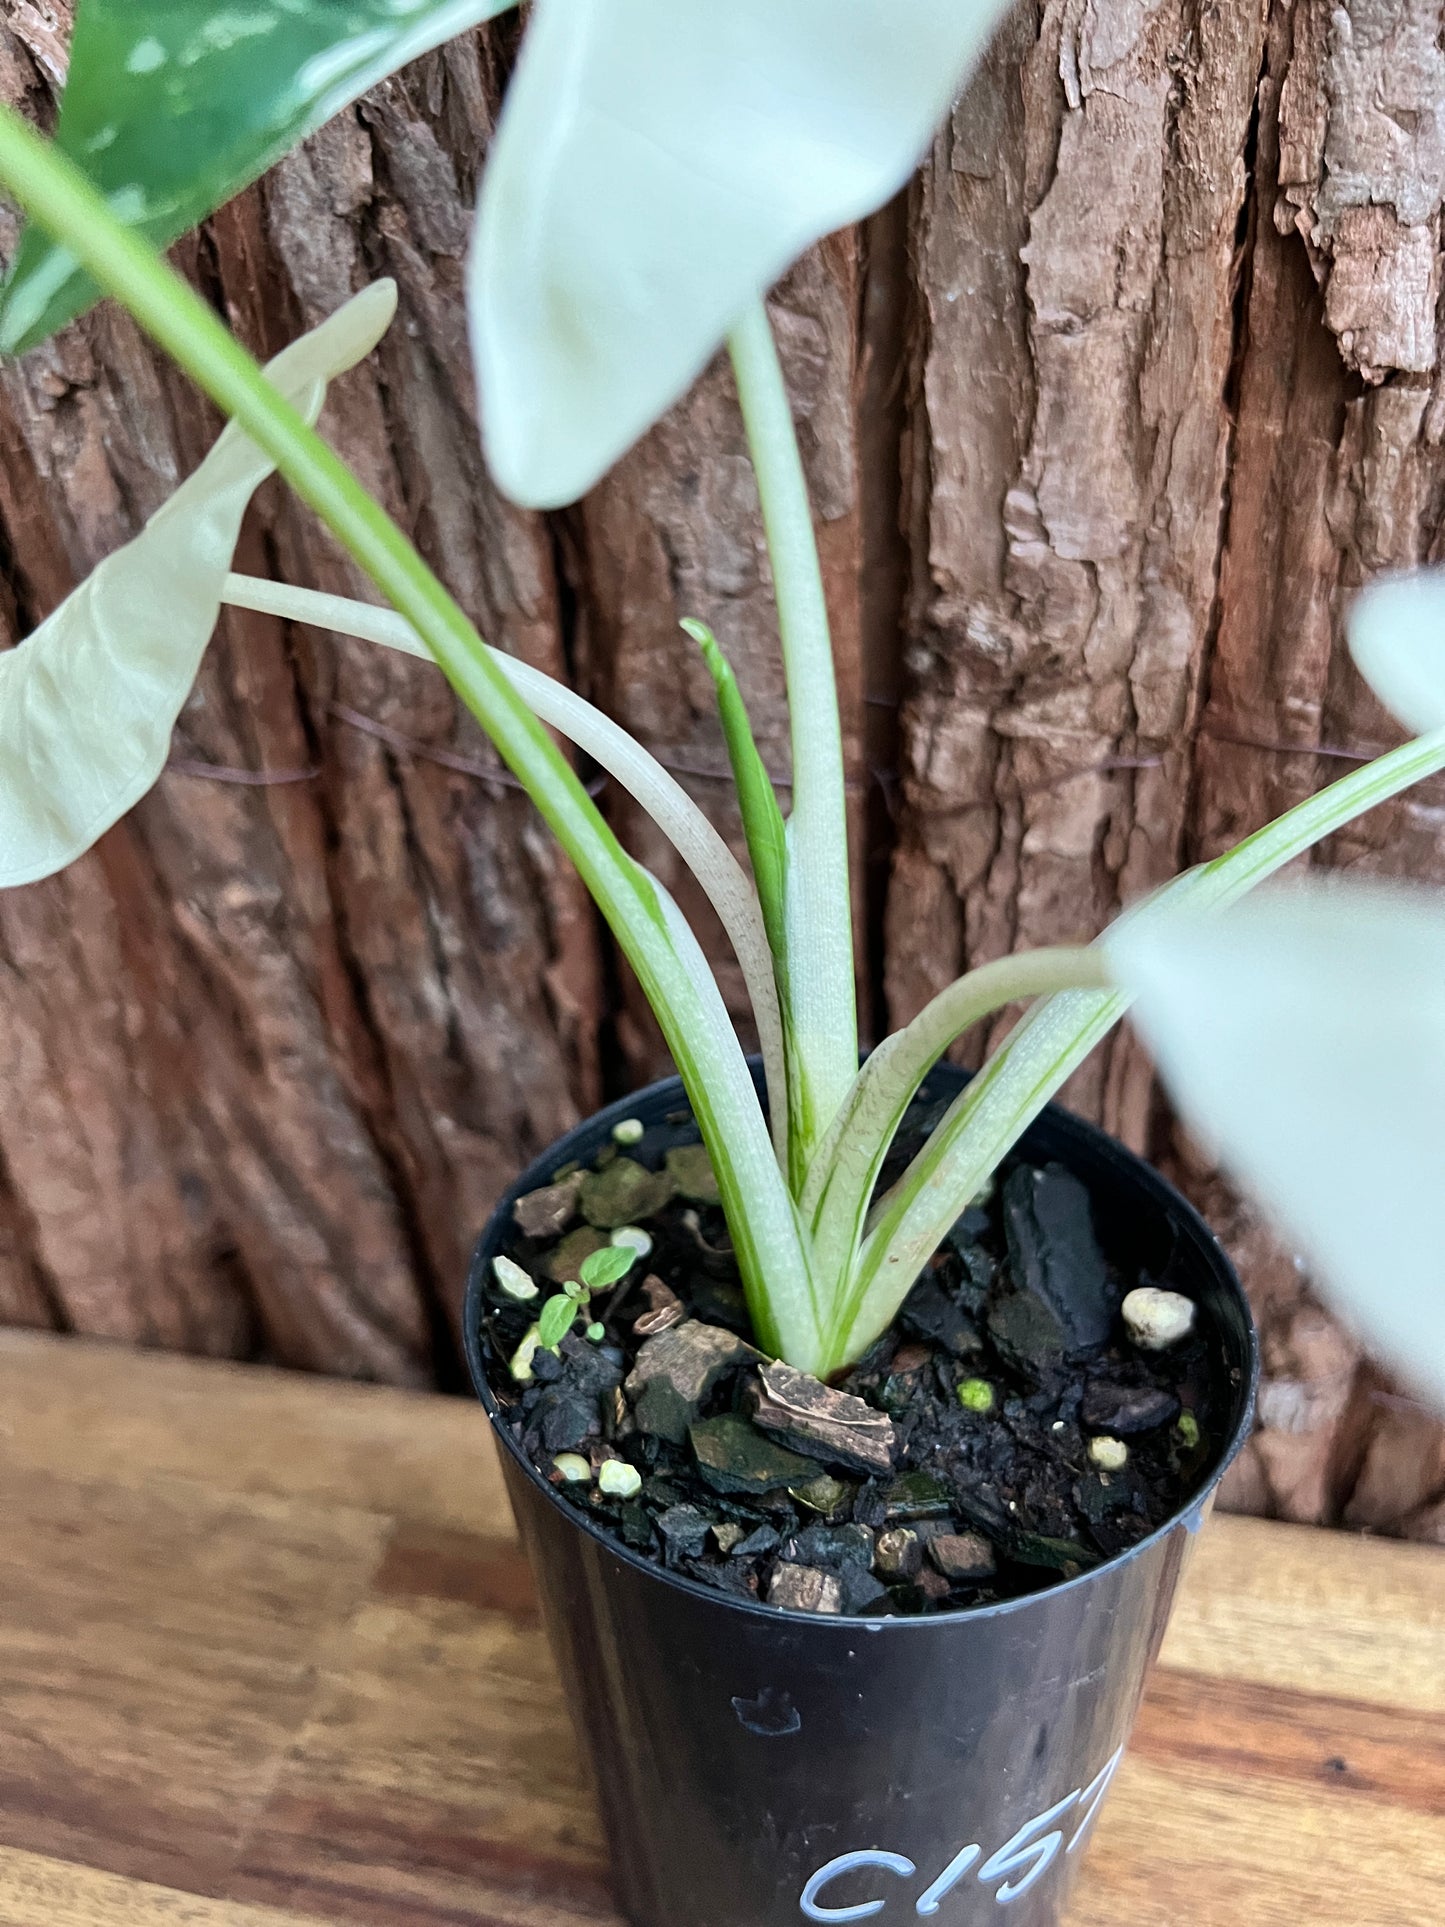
(822,1011)
(1058,1033)
(674,976)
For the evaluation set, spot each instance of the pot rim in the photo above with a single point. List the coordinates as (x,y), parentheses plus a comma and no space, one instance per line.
(1189,1515)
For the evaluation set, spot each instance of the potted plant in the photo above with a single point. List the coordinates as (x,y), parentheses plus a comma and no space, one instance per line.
(856,1419)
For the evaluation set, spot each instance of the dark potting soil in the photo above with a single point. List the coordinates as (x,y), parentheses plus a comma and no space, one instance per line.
(970,1472)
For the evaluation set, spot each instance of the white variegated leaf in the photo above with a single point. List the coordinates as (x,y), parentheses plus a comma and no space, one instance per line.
(1397,638)
(1303,1034)
(89,699)
(658,164)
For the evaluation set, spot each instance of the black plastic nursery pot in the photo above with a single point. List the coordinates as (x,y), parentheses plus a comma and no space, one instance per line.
(757,1767)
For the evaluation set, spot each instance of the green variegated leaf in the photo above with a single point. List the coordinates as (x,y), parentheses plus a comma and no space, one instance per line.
(1397,638)
(89,700)
(659,163)
(1303,1034)
(173,106)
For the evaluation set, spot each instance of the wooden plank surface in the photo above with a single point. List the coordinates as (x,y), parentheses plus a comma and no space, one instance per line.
(269,1658)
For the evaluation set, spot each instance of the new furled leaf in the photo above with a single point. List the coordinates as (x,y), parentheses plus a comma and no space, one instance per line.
(757,800)
(1303,1033)
(658,164)
(89,700)
(173,106)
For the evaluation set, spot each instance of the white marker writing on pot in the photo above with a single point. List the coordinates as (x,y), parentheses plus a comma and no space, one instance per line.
(1016,1866)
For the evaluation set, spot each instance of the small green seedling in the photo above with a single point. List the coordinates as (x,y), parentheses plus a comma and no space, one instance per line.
(976,1395)
(598,1271)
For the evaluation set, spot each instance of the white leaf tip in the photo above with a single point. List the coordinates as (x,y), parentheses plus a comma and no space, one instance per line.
(1396,632)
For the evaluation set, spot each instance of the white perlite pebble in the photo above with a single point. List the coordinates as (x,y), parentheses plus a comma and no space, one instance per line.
(1157,1319)
(632,1237)
(618,1479)
(628,1131)
(574,1468)
(1110,1455)
(513,1280)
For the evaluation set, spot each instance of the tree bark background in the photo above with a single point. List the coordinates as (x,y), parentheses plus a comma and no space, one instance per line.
(1103,419)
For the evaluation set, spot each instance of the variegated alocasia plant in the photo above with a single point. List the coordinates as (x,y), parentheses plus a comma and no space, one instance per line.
(657,165)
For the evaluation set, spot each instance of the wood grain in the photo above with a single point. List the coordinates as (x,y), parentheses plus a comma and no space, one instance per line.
(1386,1615)
(1175,1849)
(71,1408)
(34,1889)
(269,1658)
